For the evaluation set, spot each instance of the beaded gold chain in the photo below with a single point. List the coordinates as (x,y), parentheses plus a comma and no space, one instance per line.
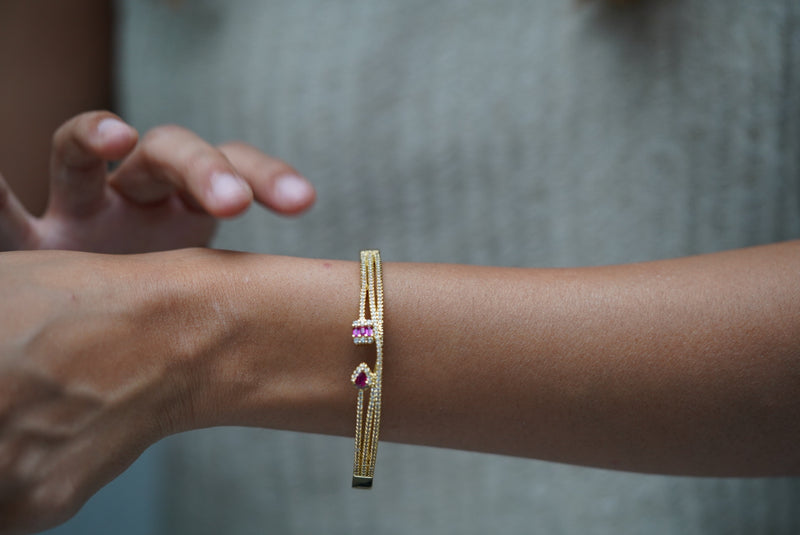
(368,331)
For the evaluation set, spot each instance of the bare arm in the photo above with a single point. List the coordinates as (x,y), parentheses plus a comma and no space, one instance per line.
(686,366)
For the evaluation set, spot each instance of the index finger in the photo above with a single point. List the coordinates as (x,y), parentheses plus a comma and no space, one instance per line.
(81,149)
(171,158)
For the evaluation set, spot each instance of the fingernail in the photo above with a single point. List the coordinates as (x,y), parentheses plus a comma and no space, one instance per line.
(292,190)
(227,189)
(110,129)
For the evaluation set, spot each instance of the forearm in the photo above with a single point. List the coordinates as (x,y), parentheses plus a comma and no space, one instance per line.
(680,366)
(687,366)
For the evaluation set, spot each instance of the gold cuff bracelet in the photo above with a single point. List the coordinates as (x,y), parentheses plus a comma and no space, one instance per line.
(368,331)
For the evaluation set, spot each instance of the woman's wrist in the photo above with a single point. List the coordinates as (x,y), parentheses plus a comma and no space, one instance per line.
(267,341)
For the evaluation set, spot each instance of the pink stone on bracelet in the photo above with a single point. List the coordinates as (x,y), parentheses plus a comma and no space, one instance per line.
(363,332)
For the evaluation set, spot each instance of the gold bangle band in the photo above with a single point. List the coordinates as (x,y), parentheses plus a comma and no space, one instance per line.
(368,331)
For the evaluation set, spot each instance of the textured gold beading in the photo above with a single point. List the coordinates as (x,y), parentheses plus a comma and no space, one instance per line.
(368,331)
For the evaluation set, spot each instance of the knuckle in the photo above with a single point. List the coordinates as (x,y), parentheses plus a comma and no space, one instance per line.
(54,500)
(151,146)
(179,155)
(14,455)
(71,128)
(200,162)
(157,135)
(71,141)
(177,149)
(66,142)
(252,158)
(19,464)
(154,140)
(237,145)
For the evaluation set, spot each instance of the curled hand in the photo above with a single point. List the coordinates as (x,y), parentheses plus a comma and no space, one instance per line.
(166,193)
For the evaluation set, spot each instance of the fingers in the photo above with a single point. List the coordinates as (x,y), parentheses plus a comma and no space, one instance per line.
(275,184)
(16,224)
(222,181)
(171,158)
(81,149)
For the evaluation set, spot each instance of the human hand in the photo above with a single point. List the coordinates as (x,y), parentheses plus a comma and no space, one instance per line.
(82,391)
(165,194)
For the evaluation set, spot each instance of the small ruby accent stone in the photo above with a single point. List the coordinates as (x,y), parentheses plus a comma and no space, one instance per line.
(369,331)
(361,380)
(355,331)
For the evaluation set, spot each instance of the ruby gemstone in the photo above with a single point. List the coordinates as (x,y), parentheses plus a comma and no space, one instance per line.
(361,380)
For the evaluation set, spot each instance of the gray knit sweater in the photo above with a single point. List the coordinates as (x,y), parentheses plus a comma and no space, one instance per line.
(505,132)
